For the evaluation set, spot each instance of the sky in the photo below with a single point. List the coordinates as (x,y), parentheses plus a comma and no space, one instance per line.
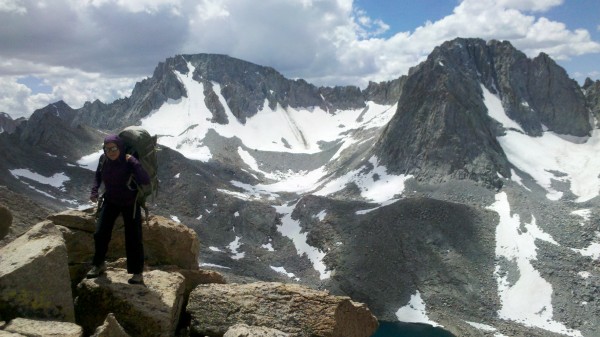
(80,51)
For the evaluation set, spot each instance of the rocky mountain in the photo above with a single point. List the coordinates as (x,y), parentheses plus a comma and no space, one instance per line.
(444,123)
(245,87)
(7,124)
(462,195)
(591,90)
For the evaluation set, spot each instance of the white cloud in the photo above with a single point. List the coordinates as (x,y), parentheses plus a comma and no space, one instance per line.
(326,42)
(12,6)
(73,86)
(136,6)
(13,97)
(531,5)
(211,9)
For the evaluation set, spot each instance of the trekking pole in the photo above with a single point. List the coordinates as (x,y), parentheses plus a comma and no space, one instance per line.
(99,205)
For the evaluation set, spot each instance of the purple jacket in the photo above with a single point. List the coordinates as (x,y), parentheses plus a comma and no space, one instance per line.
(115,175)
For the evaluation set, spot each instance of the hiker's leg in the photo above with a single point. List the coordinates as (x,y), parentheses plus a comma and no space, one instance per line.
(103,233)
(134,246)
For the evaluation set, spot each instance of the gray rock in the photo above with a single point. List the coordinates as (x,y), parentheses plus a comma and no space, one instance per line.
(34,277)
(291,308)
(25,211)
(110,328)
(6,219)
(7,124)
(39,328)
(592,95)
(243,330)
(150,310)
(166,242)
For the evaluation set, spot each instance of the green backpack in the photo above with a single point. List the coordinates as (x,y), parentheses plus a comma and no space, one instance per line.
(140,144)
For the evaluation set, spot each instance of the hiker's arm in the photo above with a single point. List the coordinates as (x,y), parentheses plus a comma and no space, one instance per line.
(141,176)
(97,180)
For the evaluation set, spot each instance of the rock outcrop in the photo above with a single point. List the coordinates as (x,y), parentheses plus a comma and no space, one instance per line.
(591,90)
(243,330)
(289,308)
(5,221)
(35,284)
(166,242)
(7,124)
(53,126)
(41,328)
(25,212)
(150,310)
(110,328)
(34,276)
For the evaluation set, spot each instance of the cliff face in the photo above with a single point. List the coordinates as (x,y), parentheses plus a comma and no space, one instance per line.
(55,129)
(591,90)
(7,124)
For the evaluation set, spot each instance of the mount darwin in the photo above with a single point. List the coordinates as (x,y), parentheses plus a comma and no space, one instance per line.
(463,195)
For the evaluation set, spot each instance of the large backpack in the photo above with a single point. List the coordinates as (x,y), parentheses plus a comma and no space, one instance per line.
(140,144)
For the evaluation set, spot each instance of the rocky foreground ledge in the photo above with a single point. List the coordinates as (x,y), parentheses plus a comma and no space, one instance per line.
(43,291)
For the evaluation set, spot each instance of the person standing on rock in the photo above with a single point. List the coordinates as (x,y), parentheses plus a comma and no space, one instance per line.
(115,170)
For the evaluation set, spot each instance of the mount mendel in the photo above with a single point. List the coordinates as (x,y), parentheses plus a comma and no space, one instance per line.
(464,194)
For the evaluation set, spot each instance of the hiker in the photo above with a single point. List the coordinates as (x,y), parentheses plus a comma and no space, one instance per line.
(115,169)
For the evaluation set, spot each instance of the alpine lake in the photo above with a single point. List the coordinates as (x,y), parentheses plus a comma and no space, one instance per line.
(400,329)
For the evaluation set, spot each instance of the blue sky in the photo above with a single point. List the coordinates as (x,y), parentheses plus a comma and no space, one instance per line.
(402,15)
(80,51)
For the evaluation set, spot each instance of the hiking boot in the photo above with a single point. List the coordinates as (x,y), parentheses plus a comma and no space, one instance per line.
(136,279)
(96,271)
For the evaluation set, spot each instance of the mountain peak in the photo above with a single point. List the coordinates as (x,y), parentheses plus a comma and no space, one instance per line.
(442,129)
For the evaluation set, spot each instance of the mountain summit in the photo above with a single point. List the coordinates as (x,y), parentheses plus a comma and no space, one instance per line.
(442,129)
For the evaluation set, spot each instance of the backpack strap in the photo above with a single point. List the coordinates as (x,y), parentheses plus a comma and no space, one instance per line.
(136,203)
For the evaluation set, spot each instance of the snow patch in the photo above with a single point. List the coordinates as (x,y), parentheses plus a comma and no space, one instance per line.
(584,213)
(90,161)
(593,251)
(57,180)
(482,327)
(551,157)
(415,311)
(234,246)
(377,185)
(516,178)
(213,265)
(282,270)
(291,229)
(268,246)
(529,299)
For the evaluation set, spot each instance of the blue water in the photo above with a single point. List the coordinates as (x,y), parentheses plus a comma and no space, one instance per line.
(399,329)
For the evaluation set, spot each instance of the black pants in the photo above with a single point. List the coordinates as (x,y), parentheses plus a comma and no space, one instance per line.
(134,247)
